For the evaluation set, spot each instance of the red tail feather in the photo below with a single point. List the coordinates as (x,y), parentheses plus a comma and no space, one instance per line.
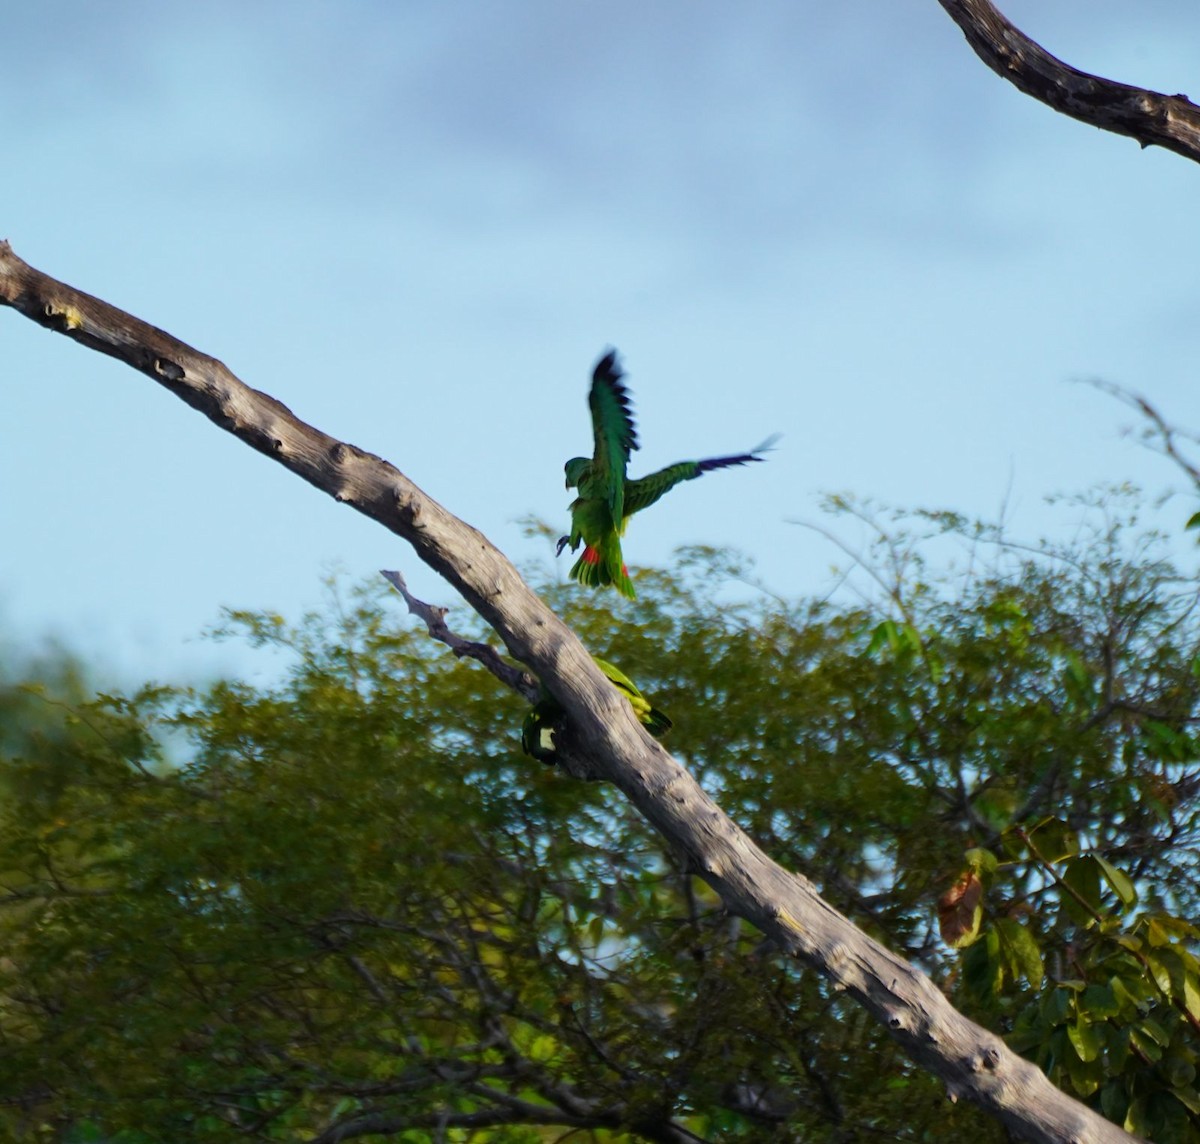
(593,570)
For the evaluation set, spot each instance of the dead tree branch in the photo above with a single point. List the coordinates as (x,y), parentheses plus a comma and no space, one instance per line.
(1153,119)
(1160,435)
(973,1063)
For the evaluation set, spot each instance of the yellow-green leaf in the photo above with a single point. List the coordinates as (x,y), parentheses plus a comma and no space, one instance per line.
(1118,880)
(1086,1038)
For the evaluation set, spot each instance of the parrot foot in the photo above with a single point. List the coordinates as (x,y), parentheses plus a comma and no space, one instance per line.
(563,541)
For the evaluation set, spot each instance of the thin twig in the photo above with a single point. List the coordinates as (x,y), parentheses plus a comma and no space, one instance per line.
(434,618)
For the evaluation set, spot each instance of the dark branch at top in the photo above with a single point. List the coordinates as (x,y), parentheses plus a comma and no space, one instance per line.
(1170,121)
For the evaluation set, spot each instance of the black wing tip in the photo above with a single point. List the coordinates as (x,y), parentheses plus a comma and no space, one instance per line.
(608,372)
(608,368)
(711,463)
(766,446)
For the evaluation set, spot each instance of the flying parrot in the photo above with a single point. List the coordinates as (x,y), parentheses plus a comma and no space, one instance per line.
(537,731)
(606,498)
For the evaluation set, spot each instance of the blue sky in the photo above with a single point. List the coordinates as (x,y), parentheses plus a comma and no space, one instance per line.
(419,225)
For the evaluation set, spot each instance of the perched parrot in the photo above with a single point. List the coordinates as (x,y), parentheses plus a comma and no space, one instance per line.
(537,731)
(606,498)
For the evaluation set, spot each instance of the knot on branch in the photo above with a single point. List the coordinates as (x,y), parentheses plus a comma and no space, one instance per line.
(986,1061)
(168,370)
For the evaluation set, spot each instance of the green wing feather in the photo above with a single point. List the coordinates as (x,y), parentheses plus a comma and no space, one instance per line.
(615,433)
(644,492)
(617,676)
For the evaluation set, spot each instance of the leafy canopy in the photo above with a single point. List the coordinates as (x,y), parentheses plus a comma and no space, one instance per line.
(346,905)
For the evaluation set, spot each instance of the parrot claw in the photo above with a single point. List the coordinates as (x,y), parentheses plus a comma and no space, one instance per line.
(563,541)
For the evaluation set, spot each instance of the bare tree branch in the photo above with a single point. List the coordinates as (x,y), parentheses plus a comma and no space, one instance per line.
(1170,121)
(434,619)
(1161,434)
(973,1063)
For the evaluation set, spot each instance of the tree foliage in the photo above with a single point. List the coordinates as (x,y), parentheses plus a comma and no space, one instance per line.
(347,905)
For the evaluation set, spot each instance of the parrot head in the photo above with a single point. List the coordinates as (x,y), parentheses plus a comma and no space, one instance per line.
(575,469)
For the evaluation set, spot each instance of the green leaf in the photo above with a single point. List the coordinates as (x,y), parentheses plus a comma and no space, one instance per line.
(1146,1045)
(1056,1053)
(1114,1102)
(982,861)
(1056,1007)
(1098,1002)
(1135,1118)
(1153,1029)
(1053,840)
(1086,1075)
(981,969)
(1118,880)
(1157,934)
(1118,1052)
(1188,1097)
(543,1048)
(1176,926)
(880,635)
(1086,1038)
(1191,995)
(997,804)
(1179,1073)
(1024,956)
(1160,972)
(1082,874)
(1078,680)
(1166,742)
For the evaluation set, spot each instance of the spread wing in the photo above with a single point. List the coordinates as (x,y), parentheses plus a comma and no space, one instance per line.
(615,433)
(642,493)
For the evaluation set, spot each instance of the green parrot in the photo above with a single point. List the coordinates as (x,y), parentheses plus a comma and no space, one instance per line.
(537,731)
(606,498)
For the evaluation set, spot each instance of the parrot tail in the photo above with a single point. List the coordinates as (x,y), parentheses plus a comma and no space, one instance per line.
(599,569)
(657,723)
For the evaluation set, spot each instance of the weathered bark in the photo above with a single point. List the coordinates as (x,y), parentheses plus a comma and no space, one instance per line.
(1170,121)
(602,734)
